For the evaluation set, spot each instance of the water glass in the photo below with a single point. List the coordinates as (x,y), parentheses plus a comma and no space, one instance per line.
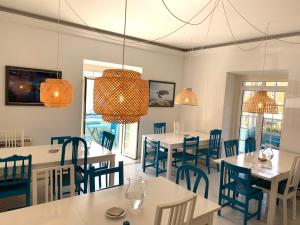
(135,193)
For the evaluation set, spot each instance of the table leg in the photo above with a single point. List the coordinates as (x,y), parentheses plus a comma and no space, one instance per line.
(112,175)
(34,188)
(142,151)
(272,202)
(211,219)
(169,162)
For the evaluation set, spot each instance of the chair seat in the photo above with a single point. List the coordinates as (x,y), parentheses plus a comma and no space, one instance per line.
(12,189)
(254,180)
(161,155)
(179,156)
(267,185)
(240,188)
(79,178)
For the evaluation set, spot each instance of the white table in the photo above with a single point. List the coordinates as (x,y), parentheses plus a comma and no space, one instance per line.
(275,171)
(90,208)
(172,141)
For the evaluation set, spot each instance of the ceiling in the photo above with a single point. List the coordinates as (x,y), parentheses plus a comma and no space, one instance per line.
(149,19)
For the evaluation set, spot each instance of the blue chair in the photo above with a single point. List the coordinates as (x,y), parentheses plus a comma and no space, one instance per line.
(231,147)
(99,172)
(159,128)
(191,144)
(60,140)
(153,155)
(250,145)
(185,169)
(238,183)
(18,181)
(213,150)
(114,131)
(81,171)
(107,140)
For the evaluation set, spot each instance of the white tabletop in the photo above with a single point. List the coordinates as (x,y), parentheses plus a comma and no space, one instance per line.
(41,155)
(175,139)
(90,208)
(280,164)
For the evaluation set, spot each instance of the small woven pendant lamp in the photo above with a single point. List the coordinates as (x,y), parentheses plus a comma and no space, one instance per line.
(260,103)
(120,95)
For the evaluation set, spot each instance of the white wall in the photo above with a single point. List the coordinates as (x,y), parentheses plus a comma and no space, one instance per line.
(32,43)
(206,73)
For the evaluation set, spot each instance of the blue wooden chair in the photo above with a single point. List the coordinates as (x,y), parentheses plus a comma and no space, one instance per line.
(153,156)
(16,177)
(107,140)
(186,169)
(99,172)
(231,147)
(114,131)
(81,171)
(159,128)
(213,150)
(60,140)
(189,151)
(238,183)
(250,145)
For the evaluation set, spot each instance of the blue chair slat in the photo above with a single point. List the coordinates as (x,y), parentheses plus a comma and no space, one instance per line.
(60,140)
(14,183)
(107,140)
(191,144)
(238,183)
(231,147)
(114,131)
(153,155)
(213,150)
(93,173)
(81,172)
(186,169)
(159,128)
(250,145)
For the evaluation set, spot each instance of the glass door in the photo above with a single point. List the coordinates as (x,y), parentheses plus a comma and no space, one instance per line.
(266,129)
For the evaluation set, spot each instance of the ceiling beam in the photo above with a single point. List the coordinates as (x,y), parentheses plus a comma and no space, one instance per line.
(118,35)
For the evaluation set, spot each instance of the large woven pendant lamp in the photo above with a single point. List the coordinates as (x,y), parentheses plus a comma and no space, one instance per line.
(56,92)
(120,95)
(186,97)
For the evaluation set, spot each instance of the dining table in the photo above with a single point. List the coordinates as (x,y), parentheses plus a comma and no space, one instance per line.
(91,208)
(273,170)
(174,140)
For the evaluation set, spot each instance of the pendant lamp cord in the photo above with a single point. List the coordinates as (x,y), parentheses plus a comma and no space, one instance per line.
(266,43)
(124,35)
(58,37)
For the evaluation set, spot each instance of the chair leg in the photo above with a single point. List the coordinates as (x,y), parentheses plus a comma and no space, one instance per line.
(259,208)
(277,201)
(208,162)
(294,207)
(284,208)
(27,198)
(156,168)
(246,212)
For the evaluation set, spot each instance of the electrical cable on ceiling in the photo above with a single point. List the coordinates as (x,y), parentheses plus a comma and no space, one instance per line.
(58,37)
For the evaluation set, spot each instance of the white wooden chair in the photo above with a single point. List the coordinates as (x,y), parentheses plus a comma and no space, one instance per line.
(12,138)
(52,176)
(177,212)
(289,191)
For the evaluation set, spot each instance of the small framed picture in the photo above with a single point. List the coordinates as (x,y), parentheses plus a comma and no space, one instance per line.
(161,93)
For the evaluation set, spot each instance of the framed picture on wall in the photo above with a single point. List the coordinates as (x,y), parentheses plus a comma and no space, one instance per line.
(161,93)
(22,85)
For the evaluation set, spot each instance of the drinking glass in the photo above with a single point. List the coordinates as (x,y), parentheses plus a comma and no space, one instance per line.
(178,127)
(135,192)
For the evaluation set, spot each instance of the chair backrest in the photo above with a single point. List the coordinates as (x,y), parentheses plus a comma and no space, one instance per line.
(60,140)
(52,176)
(191,143)
(114,128)
(100,171)
(231,147)
(75,142)
(236,174)
(180,212)
(151,146)
(107,140)
(159,128)
(250,145)
(12,138)
(186,169)
(15,170)
(294,176)
(215,139)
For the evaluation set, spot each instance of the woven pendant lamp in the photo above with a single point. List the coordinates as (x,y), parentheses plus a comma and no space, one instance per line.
(121,96)
(186,97)
(260,103)
(56,93)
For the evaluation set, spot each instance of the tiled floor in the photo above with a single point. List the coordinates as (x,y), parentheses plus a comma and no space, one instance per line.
(229,216)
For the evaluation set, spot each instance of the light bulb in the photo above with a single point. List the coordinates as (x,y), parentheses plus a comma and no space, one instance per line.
(56,93)
(121,98)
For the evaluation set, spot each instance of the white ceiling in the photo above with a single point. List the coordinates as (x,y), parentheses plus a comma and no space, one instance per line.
(149,19)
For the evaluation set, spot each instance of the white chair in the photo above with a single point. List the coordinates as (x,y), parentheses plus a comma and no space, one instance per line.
(177,212)
(287,190)
(52,176)
(12,138)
